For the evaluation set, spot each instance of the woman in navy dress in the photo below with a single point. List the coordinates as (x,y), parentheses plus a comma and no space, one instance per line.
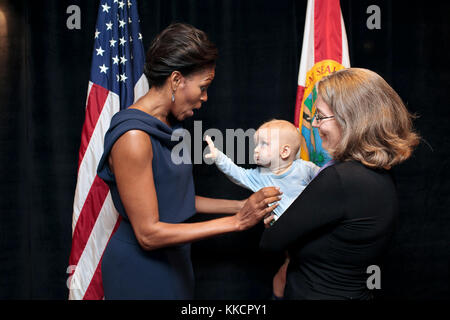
(149,255)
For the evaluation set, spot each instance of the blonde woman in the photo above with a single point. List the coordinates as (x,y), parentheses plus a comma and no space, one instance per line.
(342,222)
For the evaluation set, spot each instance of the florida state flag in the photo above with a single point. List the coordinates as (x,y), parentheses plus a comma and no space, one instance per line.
(324,51)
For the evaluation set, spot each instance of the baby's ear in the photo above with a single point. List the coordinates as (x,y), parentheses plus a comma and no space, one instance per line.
(285,151)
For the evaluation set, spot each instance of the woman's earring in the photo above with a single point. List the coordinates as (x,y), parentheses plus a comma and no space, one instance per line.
(173,96)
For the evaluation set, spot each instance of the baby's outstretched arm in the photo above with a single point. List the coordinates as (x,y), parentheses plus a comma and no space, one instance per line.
(247,178)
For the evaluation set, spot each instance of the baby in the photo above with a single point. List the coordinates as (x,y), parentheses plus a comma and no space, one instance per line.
(277,143)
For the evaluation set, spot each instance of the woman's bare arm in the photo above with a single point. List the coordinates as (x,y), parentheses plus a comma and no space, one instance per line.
(211,205)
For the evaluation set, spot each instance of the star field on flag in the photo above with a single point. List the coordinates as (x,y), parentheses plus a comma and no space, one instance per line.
(114,40)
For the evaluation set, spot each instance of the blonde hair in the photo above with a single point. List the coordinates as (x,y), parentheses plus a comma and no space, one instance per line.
(289,128)
(376,126)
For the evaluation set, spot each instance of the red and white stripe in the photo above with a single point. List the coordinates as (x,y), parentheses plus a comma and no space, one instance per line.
(324,38)
(94,215)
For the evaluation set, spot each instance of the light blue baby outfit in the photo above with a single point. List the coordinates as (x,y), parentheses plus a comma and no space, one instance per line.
(291,182)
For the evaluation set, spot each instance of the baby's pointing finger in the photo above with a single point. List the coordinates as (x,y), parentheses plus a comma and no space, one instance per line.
(209,141)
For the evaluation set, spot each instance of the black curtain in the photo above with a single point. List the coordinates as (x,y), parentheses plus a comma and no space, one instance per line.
(44,72)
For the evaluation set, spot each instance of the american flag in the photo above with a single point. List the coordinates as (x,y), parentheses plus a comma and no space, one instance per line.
(116,81)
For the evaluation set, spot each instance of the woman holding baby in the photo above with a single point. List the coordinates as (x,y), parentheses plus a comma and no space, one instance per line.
(342,222)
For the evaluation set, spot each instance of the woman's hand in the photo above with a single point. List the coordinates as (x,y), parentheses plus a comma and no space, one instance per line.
(279,280)
(269,219)
(213,152)
(257,207)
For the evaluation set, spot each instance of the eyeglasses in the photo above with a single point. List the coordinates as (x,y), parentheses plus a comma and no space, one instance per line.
(320,118)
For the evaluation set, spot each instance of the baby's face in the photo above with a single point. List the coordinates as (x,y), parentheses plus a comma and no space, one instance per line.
(267,148)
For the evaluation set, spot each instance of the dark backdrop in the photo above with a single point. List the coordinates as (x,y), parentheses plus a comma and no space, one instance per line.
(44,73)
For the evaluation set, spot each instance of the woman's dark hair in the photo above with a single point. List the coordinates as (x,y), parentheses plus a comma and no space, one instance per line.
(180,47)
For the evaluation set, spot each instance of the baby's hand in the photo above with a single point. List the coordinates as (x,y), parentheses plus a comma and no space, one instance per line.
(213,153)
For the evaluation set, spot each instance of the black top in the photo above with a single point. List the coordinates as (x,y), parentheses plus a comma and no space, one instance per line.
(339,226)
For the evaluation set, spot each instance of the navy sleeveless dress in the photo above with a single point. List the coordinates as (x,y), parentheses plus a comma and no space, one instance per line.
(128,271)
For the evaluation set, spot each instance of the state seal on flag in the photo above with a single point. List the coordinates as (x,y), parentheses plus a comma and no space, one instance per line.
(311,144)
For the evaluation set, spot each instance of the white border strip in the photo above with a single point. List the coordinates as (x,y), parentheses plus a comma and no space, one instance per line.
(94,151)
(307,58)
